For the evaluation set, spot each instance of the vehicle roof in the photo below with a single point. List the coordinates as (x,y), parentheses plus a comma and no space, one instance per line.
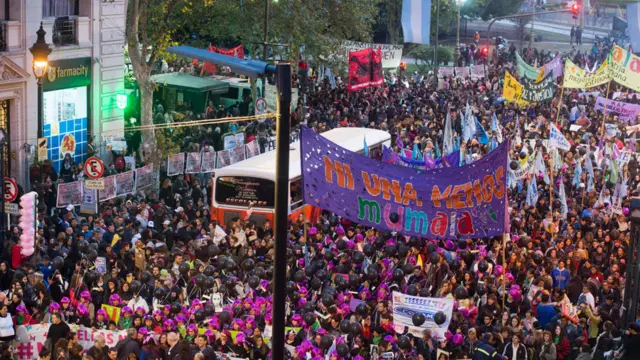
(264,165)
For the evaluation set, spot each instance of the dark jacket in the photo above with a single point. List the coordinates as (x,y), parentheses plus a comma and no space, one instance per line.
(521,353)
(127,346)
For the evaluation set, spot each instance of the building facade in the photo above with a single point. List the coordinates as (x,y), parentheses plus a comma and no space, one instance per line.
(80,89)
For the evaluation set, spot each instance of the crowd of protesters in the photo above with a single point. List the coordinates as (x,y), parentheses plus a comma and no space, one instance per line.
(190,287)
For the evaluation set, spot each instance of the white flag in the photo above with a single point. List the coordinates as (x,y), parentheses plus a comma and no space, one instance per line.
(556,139)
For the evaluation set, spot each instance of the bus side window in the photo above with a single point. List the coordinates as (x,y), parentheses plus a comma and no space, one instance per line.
(295,191)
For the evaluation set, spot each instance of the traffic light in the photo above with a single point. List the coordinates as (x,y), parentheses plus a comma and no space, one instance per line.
(575,9)
(485,51)
(403,66)
(28,221)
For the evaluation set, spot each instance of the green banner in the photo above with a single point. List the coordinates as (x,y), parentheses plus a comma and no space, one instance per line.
(68,73)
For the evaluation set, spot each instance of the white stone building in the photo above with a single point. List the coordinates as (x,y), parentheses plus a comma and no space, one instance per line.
(86,73)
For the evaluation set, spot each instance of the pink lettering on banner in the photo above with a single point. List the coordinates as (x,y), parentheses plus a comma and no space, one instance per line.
(626,111)
(32,338)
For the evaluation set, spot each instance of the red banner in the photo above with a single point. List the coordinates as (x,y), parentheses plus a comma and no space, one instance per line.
(209,67)
(365,69)
(236,52)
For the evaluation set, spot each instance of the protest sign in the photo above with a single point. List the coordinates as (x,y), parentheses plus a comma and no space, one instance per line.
(477,72)
(577,78)
(194,161)
(365,69)
(69,194)
(144,176)
(252,149)
(404,306)
(462,72)
(427,204)
(31,339)
(526,167)
(624,68)
(537,91)
(512,90)
(445,71)
(236,154)
(89,201)
(101,264)
(626,112)
(124,183)
(391,54)
(109,191)
(556,139)
(208,162)
(224,159)
(175,165)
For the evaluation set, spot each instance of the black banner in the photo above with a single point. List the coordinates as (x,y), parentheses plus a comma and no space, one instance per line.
(537,92)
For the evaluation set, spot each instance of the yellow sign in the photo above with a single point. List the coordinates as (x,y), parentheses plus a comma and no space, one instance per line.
(42,149)
(94,184)
(577,78)
(113,312)
(512,89)
(624,68)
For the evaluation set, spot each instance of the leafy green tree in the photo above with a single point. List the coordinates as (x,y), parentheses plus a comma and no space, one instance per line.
(424,56)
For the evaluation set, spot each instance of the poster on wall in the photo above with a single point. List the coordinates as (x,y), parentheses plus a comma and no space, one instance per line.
(65,103)
(124,183)
(109,191)
(69,194)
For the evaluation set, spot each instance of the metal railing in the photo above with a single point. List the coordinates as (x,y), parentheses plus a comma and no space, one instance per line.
(3,37)
(64,31)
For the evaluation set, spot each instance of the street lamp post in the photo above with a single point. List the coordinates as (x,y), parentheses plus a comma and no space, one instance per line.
(282,71)
(456,50)
(40,51)
(532,35)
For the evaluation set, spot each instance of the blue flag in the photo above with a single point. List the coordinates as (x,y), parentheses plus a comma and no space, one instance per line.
(416,154)
(366,148)
(483,138)
(576,173)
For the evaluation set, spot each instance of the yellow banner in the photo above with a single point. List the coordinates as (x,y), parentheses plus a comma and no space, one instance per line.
(624,68)
(512,89)
(577,78)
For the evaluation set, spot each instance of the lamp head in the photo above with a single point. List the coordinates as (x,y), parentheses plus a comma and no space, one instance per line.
(40,51)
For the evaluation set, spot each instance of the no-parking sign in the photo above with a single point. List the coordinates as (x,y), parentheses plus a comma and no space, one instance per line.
(10,189)
(93,168)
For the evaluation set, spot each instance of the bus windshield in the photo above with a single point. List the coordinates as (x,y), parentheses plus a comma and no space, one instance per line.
(242,190)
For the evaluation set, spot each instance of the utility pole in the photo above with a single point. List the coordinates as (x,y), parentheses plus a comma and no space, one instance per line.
(264,48)
(435,48)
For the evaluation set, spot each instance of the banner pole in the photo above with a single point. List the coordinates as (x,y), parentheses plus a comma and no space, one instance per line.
(504,269)
(559,104)
(604,110)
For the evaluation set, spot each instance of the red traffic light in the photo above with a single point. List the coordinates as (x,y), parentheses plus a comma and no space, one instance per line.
(575,8)
(485,50)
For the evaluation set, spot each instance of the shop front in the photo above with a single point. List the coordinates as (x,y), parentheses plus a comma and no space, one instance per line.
(66,122)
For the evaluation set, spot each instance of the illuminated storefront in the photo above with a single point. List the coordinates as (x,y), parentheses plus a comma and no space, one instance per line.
(66,109)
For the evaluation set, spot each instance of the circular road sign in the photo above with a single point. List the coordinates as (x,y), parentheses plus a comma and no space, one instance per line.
(261,106)
(10,189)
(93,168)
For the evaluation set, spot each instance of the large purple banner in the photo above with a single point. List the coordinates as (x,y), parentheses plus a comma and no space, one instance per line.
(467,201)
(626,111)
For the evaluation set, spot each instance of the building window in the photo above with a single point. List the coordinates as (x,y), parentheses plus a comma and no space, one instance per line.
(64,31)
(5,122)
(59,8)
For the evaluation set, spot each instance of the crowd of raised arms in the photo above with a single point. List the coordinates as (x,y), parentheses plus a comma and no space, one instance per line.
(188,287)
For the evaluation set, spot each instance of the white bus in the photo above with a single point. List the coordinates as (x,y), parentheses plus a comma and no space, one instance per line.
(252,181)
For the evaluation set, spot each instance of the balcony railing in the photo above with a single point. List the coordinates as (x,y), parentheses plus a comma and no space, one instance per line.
(64,31)
(3,37)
